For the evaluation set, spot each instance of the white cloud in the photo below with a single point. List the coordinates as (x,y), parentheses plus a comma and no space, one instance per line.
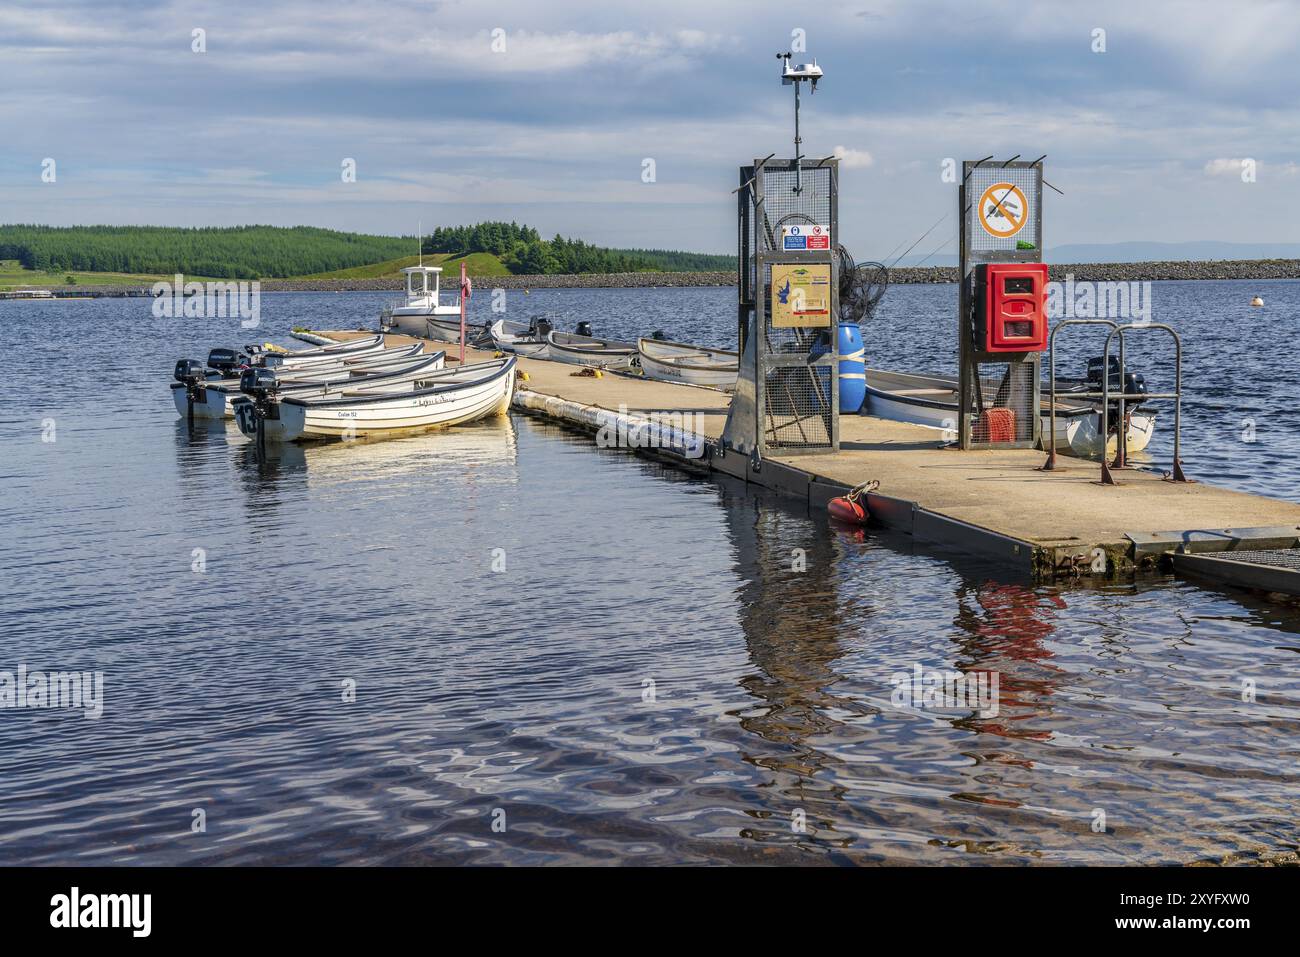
(853,159)
(1223,167)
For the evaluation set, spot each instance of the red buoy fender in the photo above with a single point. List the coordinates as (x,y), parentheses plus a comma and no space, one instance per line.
(842,510)
(852,508)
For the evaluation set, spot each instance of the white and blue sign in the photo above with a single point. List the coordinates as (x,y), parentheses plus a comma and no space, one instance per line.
(803,236)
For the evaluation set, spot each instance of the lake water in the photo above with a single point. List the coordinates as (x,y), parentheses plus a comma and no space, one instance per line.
(314,659)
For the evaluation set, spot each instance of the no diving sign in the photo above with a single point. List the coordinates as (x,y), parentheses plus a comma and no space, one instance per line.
(1003,210)
(805,236)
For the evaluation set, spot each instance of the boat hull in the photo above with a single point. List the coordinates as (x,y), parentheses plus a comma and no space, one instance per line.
(585,351)
(216,399)
(516,338)
(668,369)
(1076,433)
(423,322)
(208,403)
(400,413)
(448,330)
(324,354)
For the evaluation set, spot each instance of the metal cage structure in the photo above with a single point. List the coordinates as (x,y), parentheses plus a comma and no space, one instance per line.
(999,392)
(787,394)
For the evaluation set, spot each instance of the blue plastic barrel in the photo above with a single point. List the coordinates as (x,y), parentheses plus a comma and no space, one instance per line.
(853,368)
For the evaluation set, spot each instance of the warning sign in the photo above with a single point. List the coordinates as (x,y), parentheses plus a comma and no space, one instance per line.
(805,236)
(1003,210)
(801,295)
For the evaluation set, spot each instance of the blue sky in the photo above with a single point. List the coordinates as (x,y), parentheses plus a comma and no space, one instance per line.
(1145,139)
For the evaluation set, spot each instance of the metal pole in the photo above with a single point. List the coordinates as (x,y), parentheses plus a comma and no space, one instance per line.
(798,157)
(1106,477)
(1121,434)
(1050,464)
(1178,407)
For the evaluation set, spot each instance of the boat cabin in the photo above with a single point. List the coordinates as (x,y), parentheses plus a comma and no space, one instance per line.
(417,285)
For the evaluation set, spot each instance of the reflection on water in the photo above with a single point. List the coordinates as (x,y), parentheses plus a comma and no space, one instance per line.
(388,641)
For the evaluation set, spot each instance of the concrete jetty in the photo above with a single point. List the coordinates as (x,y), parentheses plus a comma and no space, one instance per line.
(993,503)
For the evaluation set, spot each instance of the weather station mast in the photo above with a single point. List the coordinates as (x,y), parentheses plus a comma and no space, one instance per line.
(794,76)
(786,398)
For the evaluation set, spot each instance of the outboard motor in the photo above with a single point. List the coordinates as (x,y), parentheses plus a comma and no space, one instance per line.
(225,362)
(1130,383)
(583,329)
(1094,369)
(262,386)
(189,372)
(659,335)
(542,328)
(259,383)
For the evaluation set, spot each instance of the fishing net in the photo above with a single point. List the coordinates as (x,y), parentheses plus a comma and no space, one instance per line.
(862,286)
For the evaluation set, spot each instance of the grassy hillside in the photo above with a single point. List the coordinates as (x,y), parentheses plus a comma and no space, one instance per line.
(240,252)
(477,264)
(14,276)
(131,255)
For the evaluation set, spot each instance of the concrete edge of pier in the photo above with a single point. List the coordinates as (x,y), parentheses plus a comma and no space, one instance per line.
(997,505)
(703,455)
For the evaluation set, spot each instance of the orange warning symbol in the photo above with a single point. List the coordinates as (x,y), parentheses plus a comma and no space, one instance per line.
(1003,210)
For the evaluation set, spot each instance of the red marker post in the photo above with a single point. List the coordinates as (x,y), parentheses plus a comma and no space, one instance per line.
(466,288)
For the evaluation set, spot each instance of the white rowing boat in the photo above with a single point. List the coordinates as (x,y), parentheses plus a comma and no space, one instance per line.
(694,365)
(933,401)
(587,350)
(444,398)
(322,354)
(215,398)
(524,339)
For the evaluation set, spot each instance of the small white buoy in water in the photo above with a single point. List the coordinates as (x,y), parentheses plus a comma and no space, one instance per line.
(1257,301)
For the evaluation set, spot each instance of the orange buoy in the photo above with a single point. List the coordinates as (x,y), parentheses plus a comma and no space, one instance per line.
(852,508)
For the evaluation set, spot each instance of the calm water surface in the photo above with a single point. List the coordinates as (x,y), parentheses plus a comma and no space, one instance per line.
(647,680)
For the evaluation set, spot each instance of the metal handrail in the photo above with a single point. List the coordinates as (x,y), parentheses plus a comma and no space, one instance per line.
(1050,464)
(1121,439)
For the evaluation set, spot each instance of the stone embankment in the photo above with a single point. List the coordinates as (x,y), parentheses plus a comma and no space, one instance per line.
(1131,272)
(1259,269)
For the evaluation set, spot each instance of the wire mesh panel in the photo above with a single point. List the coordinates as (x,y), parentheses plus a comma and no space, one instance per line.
(1003,209)
(1279,557)
(1004,405)
(798,407)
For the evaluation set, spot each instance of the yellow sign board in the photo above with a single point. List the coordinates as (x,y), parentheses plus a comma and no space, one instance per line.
(801,295)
